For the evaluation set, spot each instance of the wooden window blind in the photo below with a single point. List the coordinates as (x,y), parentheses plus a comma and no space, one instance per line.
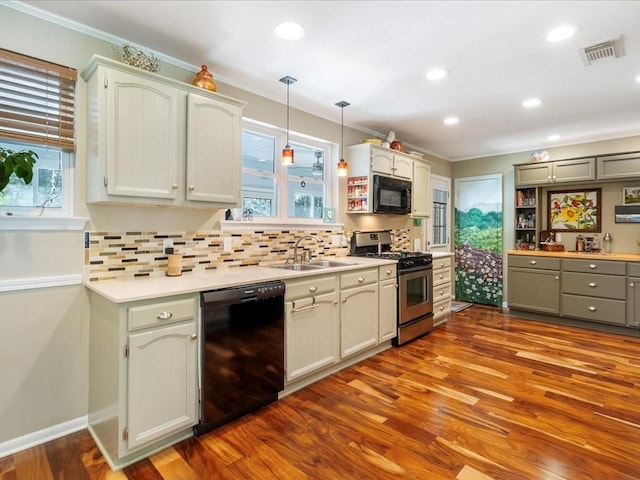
(36,101)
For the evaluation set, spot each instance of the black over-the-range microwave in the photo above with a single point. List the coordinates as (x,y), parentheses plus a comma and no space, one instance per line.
(391,195)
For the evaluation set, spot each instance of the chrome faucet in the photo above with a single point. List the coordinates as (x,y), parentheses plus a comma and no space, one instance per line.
(304,254)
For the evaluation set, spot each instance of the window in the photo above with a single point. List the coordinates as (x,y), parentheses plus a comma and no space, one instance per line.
(297,193)
(438,228)
(37,105)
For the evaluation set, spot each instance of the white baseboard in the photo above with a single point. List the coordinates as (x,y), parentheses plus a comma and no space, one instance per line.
(36,438)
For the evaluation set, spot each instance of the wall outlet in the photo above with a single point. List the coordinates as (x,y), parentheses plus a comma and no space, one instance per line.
(336,240)
(227,244)
(167,243)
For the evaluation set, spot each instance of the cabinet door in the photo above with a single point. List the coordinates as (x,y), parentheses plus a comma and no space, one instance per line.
(162,383)
(144,131)
(381,161)
(403,167)
(388,311)
(358,319)
(312,334)
(534,174)
(421,190)
(213,151)
(619,167)
(535,290)
(633,302)
(580,170)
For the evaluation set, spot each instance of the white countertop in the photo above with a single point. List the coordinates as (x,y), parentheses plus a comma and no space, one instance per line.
(144,288)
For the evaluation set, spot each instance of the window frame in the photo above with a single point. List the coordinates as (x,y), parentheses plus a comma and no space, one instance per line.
(443,184)
(282,177)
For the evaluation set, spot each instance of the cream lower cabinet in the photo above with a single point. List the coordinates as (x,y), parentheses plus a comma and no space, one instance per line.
(388,303)
(358,311)
(143,381)
(312,325)
(441,289)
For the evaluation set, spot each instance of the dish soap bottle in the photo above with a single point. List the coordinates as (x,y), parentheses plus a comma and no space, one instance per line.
(606,243)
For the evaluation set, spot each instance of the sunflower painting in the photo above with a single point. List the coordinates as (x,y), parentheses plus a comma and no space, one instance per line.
(574,211)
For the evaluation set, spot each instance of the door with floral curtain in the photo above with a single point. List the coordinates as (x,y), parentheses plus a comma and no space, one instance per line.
(478,239)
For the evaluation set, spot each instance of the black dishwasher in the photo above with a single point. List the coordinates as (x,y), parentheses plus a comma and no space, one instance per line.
(242,351)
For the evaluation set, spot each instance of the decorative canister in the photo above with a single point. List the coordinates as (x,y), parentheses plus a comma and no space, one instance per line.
(397,145)
(204,79)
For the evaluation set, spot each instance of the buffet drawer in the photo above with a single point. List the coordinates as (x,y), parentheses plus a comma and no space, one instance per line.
(594,266)
(604,286)
(543,263)
(594,309)
(441,292)
(441,276)
(161,313)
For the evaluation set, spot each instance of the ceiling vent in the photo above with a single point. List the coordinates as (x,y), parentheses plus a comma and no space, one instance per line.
(602,51)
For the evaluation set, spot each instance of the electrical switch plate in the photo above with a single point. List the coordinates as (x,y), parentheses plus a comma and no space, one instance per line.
(167,243)
(335,240)
(227,244)
(558,237)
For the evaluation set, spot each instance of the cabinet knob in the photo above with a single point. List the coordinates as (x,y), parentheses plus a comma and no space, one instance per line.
(592,309)
(389,272)
(592,284)
(360,279)
(593,266)
(164,315)
(441,292)
(532,262)
(441,277)
(194,336)
(556,278)
(174,186)
(632,284)
(344,300)
(191,188)
(313,289)
(335,302)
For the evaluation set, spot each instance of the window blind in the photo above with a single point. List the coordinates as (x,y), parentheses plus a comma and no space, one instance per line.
(36,101)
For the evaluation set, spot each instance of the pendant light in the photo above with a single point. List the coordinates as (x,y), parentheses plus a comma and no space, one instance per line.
(287,151)
(343,168)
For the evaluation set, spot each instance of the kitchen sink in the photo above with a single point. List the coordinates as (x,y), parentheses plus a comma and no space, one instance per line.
(296,266)
(330,263)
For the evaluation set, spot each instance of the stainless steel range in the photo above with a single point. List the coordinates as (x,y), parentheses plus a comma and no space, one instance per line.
(415,282)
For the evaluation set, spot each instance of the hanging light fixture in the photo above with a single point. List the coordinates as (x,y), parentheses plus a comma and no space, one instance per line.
(318,167)
(287,151)
(343,168)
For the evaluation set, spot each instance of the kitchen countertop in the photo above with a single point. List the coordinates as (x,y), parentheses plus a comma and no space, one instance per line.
(621,257)
(122,291)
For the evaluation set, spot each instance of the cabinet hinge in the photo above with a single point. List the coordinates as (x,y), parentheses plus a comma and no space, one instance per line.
(105,82)
(105,180)
(125,351)
(125,434)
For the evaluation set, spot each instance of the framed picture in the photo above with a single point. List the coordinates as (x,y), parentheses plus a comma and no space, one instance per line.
(631,196)
(574,210)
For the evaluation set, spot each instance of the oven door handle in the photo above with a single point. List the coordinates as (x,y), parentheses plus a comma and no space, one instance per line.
(404,271)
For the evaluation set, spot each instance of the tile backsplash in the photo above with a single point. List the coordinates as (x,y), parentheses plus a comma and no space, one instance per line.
(126,255)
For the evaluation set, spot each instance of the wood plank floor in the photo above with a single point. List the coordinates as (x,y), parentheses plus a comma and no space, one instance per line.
(484,396)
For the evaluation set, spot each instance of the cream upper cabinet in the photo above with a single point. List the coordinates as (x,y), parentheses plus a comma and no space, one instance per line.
(152,140)
(388,162)
(621,167)
(562,171)
(421,189)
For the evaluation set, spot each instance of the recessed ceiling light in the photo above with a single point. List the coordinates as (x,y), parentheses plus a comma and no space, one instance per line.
(554,137)
(560,33)
(531,102)
(289,31)
(436,73)
(451,120)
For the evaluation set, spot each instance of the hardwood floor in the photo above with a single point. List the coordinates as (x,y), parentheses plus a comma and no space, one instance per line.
(484,396)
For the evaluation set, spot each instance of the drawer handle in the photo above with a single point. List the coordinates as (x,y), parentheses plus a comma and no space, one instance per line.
(593,266)
(164,315)
(441,277)
(532,262)
(441,308)
(389,272)
(303,309)
(360,279)
(441,292)
(313,289)
(593,284)
(592,309)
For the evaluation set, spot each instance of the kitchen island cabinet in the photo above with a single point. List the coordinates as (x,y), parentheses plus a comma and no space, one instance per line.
(155,141)
(141,352)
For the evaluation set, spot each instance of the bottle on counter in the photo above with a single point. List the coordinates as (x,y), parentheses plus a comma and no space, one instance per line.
(579,243)
(606,243)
